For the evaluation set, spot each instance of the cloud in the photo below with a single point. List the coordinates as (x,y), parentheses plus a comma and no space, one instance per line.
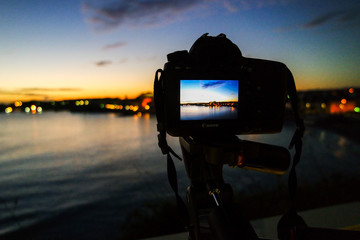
(231,7)
(102,63)
(342,18)
(109,14)
(49,89)
(114,45)
(336,17)
(212,84)
(322,19)
(35,92)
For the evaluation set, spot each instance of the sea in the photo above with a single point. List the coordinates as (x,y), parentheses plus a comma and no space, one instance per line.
(80,174)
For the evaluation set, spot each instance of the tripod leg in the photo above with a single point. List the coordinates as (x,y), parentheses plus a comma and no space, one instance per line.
(228,223)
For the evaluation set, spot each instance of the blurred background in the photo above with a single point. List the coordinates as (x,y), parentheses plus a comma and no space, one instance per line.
(78,146)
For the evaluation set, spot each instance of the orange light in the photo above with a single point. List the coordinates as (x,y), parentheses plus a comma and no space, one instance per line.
(135,108)
(8,109)
(339,108)
(145,102)
(33,108)
(17,103)
(343,101)
(110,106)
(351,90)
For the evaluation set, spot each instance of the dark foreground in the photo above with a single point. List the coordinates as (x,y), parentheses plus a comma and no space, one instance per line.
(159,218)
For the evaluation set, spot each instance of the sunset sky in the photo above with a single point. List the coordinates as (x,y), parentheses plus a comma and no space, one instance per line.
(205,91)
(62,49)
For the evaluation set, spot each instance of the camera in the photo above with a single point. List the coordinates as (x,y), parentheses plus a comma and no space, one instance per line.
(214,89)
(207,96)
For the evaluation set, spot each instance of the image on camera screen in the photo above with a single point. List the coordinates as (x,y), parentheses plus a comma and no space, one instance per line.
(209,99)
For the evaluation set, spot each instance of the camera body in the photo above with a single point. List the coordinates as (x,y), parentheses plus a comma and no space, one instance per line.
(215,90)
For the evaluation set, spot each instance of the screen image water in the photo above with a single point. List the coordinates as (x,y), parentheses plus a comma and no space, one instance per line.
(190,112)
(79,175)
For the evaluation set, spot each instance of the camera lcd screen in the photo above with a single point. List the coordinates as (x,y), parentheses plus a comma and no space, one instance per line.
(209,99)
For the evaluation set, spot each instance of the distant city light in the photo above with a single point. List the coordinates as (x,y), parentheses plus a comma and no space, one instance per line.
(147,107)
(145,102)
(343,101)
(8,110)
(135,108)
(323,105)
(110,106)
(27,109)
(39,109)
(33,109)
(357,109)
(308,105)
(17,103)
(351,90)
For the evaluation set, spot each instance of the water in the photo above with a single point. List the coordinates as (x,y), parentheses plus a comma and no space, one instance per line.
(207,113)
(56,162)
(77,175)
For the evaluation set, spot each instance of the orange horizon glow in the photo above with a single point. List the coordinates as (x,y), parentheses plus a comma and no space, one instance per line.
(12,98)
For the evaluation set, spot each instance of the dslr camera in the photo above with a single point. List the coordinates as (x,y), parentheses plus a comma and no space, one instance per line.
(214,89)
(207,96)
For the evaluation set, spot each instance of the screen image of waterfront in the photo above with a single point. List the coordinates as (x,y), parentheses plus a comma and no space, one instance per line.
(208,99)
(81,175)
(193,112)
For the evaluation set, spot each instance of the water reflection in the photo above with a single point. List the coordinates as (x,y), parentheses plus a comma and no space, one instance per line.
(94,164)
(191,112)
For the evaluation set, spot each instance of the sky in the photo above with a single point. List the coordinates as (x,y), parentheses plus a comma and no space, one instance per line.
(200,91)
(66,49)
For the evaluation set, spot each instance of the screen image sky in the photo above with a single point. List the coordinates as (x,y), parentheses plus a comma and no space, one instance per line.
(205,91)
(64,49)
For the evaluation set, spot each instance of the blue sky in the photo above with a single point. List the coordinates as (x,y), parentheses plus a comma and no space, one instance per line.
(91,48)
(195,91)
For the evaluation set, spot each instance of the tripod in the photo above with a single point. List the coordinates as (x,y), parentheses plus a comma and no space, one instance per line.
(213,215)
(212,212)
